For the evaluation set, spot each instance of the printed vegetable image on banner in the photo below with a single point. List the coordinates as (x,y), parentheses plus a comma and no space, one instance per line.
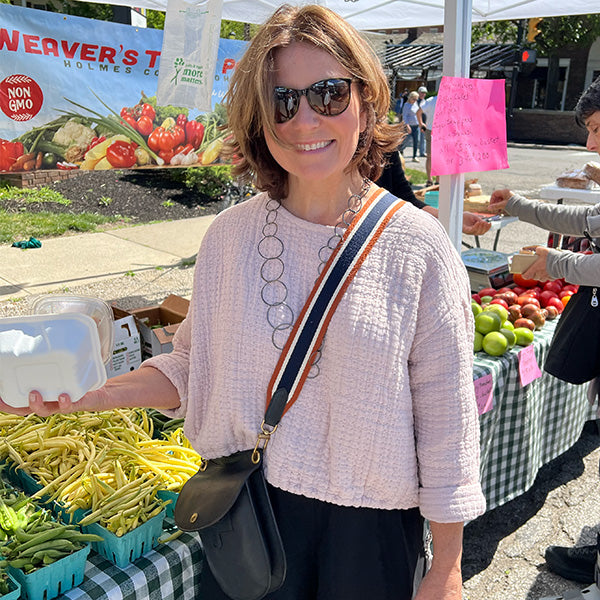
(189,53)
(81,93)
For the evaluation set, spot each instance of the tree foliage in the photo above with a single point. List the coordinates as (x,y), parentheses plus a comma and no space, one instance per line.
(574,31)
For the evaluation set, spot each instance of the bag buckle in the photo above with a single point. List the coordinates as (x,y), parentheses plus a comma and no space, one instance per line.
(266,431)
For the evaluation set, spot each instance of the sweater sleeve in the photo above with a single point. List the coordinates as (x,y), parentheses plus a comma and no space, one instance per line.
(441,380)
(561,218)
(574,267)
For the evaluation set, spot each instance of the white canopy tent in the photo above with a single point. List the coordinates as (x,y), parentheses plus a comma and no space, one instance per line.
(456,16)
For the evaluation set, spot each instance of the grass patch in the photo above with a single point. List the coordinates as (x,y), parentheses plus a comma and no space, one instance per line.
(22,225)
(27,196)
(14,227)
(416,177)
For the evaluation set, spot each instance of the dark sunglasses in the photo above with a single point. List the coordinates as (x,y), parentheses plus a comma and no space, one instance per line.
(329,97)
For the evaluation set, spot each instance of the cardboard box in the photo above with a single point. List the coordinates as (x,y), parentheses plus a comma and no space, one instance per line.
(519,263)
(127,346)
(157,324)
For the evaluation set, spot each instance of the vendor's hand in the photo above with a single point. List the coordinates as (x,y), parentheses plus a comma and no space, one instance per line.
(474,225)
(499,199)
(538,269)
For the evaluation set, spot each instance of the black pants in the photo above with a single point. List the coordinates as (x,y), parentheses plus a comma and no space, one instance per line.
(341,553)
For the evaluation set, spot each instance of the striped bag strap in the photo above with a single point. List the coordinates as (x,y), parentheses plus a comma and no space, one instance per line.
(309,329)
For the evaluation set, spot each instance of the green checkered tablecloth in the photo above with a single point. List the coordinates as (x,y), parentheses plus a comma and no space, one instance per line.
(527,426)
(169,572)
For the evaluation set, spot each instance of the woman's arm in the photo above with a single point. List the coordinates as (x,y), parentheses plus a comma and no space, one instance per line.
(444,581)
(144,388)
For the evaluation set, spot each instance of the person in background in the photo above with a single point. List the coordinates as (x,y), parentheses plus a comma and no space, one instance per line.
(422,149)
(576,563)
(425,119)
(385,432)
(409,116)
(394,180)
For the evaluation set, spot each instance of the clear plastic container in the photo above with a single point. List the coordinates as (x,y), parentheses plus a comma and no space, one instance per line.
(99,310)
(52,354)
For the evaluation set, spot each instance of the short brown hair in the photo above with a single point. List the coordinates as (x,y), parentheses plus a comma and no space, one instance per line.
(250,103)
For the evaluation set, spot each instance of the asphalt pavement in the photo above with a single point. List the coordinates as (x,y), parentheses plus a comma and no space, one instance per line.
(503,556)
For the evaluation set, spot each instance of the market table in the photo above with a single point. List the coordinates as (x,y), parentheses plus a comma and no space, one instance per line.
(528,425)
(169,572)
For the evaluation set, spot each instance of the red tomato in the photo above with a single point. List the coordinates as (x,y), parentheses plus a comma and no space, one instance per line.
(154,138)
(570,287)
(121,155)
(557,303)
(476,297)
(144,125)
(564,293)
(545,296)
(488,291)
(522,282)
(524,299)
(504,289)
(500,302)
(553,286)
(518,290)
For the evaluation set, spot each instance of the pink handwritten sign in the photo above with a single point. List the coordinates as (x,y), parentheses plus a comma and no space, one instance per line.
(484,388)
(529,369)
(468,132)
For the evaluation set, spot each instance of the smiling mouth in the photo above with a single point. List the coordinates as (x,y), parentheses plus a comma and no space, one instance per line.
(315,146)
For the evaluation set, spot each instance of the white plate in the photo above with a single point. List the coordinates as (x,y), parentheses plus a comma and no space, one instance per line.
(52,354)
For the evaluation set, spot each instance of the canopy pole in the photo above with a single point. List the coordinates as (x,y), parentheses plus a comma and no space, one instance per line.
(457,60)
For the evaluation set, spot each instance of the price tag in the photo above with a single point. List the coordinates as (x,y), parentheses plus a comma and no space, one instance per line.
(529,369)
(484,388)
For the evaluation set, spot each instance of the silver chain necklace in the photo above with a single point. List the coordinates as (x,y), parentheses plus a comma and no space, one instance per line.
(274,292)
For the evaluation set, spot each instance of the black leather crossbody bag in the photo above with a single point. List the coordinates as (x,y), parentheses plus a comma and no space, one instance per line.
(227,501)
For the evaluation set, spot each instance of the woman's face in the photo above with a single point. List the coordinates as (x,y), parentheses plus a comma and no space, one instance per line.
(317,146)
(593,127)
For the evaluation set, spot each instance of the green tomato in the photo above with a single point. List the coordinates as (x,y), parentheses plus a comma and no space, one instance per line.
(49,160)
(508,325)
(476,308)
(478,342)
(524,336)
(486,321)
(500,310)
(495,344)
(510,336)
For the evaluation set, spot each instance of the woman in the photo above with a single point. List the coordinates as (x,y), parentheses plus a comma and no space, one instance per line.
(386,431)
(409,116)
(576,563)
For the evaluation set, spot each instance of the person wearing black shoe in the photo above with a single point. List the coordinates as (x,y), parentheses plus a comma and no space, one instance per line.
(577,563)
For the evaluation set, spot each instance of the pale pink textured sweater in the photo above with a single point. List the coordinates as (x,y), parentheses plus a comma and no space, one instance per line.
(390,421)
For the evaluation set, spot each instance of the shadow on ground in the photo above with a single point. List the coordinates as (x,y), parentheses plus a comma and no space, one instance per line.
(482,536)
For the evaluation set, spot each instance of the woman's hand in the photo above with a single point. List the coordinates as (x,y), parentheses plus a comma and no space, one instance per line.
(538,269)
(499,199)
(440,586)
(474,225)
(95,400)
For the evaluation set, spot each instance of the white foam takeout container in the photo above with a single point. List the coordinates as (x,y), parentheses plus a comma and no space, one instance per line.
(52,354)
(99,310)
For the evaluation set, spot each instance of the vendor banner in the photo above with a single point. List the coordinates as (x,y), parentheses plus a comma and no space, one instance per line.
(71,86)
(189,53)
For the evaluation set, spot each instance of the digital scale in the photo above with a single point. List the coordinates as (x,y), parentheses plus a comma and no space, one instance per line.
(486,268)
